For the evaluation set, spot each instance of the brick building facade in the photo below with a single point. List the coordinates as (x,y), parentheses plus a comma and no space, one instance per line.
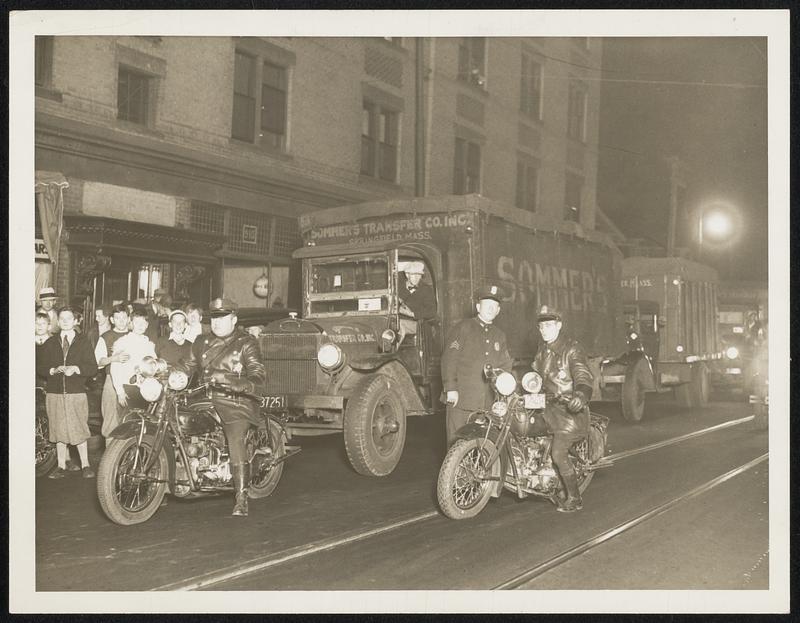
(189,159)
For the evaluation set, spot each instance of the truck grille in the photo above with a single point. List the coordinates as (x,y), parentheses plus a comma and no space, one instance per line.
(291,362)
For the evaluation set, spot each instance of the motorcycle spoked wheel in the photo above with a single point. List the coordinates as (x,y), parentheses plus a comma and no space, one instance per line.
(46,458)
(127,496)
(581,451)
(460,490)
(264,478)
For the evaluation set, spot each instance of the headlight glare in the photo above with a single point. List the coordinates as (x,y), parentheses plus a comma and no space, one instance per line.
(505,383)
(150,389)
(732,352)
(178,380)
(329,356)
(532,382)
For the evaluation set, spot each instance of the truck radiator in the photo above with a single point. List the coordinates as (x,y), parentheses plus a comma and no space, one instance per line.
(291,362)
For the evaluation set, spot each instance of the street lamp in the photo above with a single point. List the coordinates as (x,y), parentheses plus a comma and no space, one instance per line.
(718,227)
(716,224)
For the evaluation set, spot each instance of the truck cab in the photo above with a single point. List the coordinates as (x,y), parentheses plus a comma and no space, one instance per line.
(347,345)
(642,327)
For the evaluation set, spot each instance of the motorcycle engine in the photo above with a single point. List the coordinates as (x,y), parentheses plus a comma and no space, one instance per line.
(209,460)
(535,465)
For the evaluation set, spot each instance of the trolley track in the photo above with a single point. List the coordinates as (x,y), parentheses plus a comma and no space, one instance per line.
(274,560)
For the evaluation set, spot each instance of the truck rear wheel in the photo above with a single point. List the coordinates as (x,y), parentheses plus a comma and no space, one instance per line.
(374,427)
(699,385)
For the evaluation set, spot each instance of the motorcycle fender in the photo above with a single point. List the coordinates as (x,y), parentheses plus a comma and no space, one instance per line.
(476,431)
(131,428)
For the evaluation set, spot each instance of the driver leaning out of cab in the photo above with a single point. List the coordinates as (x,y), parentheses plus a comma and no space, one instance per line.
(417,300)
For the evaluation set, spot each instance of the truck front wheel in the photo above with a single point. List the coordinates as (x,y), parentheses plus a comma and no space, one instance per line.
(633,391)
(374,427)
(699,385)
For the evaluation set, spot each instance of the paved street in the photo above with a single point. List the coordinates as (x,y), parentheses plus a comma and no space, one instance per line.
(295,536)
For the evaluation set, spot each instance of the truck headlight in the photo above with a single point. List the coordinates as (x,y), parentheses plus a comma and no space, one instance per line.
(732,352)
(178,380)
(505,383)
(150,389)
(330,356)
(532,382)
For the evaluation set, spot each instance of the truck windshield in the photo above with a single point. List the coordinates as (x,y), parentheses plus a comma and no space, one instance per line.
(345,285)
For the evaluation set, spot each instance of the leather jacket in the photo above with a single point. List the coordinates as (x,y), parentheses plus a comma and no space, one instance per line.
(564,370)
(237,359)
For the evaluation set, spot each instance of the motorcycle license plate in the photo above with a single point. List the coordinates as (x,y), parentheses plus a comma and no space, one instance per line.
(534,401)
(274,402)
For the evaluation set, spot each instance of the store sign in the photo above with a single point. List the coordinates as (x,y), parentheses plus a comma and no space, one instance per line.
(249,234)
(40,250)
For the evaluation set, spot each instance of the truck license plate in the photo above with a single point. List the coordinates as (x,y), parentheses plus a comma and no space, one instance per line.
(733,370)
(534,401)
(274,402)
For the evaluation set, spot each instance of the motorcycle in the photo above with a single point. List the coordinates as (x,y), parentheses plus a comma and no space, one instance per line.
(175,443)
(508,447)
(45,449)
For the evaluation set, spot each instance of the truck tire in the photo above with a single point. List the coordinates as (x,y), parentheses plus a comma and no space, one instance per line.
(374,426)
(699,385)
(632,401)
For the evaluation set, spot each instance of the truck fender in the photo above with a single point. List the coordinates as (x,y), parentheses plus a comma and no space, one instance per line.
(131,428)
(639,365)
(400,379)
(372,362)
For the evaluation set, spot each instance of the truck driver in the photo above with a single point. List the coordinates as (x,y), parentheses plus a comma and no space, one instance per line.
(416,298)
(562,365)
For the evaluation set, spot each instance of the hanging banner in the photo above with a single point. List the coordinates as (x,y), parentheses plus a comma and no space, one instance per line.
(40,250)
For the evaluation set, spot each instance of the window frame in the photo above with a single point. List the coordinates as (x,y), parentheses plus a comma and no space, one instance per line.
(524,199)
(532,60)
(573,213)
(147,104)
(577,130)
(261,54)
(461,162)
(43,61)
(468,72)
(373,143)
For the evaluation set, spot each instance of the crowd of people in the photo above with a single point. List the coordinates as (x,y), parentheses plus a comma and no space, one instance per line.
(68,357)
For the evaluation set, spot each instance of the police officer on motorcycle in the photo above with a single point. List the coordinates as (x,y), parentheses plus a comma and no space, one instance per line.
(230,358)
(562,365)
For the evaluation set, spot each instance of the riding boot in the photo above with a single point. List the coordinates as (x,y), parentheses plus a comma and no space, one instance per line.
(573,501)
(241,478)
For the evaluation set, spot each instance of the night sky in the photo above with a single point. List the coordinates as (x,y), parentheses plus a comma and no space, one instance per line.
(718,129)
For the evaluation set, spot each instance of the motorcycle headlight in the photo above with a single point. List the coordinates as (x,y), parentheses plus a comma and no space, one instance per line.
(150,389)
(330,356)
(505,383)
(388,335)
(634,335)
(178,379)
(532,382)
(732,352)
(150,366)
(499,408)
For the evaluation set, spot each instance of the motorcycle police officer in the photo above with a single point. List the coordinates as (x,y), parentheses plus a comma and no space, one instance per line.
(230,358)
(562,365)
(473,343)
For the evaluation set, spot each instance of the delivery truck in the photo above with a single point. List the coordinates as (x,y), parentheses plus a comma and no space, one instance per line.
(670,308)
(341,367)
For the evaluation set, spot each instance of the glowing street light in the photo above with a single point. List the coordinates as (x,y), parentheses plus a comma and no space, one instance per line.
(716,224)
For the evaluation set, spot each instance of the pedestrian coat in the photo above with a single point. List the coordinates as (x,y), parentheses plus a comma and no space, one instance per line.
(51,355)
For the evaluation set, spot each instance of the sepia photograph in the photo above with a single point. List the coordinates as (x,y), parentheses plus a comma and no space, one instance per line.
(478,316)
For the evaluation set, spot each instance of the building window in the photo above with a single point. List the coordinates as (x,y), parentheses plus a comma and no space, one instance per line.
(133,96)
(472,61)
(271,100)
(576,112)
(527,185)
(531,88)
(572,198)
(379,141)
(44,61)
(467,173)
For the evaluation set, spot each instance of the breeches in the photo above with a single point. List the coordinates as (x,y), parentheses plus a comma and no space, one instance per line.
(235,432)
(562,441)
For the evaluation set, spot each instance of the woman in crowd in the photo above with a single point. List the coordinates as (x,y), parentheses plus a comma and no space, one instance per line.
(66,361)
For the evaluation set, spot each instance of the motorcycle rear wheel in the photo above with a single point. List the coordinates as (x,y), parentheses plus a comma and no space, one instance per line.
(262,485)
(581,449)
(45,449)
(460,492)
(125,498)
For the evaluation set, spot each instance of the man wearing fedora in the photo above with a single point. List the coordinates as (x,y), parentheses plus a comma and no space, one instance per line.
(562,364)
(230,359)
(473,343)
(47,304)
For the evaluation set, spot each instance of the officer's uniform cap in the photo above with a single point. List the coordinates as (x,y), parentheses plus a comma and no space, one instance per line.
(491,291)
(222,307)
(548,312)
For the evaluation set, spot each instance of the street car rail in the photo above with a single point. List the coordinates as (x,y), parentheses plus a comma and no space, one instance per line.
(274,559)
(519,581)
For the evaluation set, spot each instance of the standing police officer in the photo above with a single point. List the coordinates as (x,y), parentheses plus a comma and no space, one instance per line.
(230,358)
(473,343)
(562,365)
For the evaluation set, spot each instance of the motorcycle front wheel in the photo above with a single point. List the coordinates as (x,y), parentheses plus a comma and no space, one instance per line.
(127,495)
(264,476)
(461,488)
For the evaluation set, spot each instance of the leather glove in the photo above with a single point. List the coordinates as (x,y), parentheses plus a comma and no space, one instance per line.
(577,403)
(240,385)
